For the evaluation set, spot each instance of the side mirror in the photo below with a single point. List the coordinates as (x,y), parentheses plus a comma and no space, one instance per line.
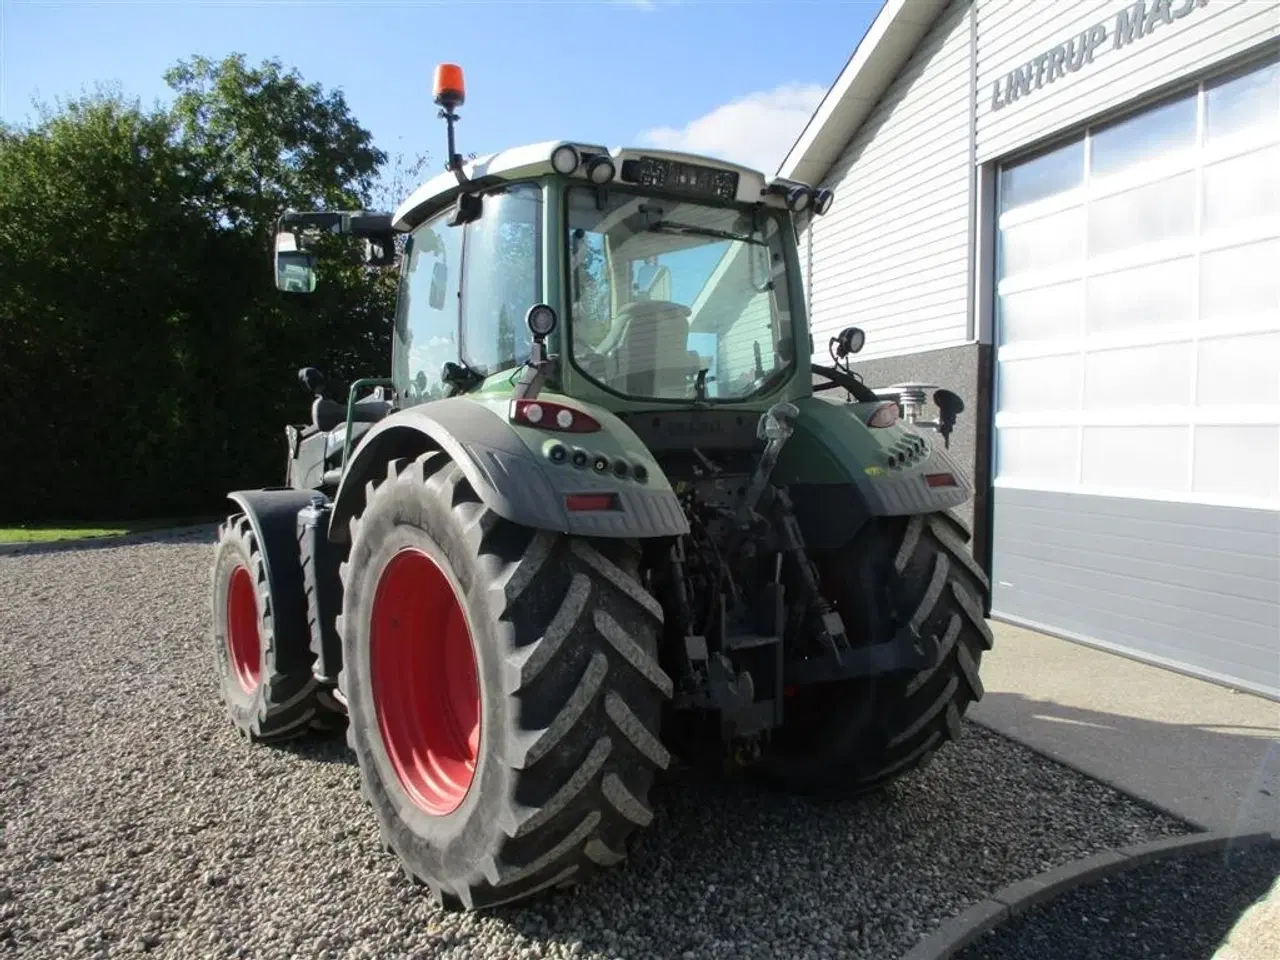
(296,272)
(439,280)
(295,268)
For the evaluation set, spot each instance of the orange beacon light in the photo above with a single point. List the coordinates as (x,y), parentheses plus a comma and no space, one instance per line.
(449,89)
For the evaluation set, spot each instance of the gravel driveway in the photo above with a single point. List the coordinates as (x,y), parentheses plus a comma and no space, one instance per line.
(135,820)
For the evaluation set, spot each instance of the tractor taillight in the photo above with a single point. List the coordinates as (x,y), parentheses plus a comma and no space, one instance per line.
(940,480)
(552,416)
(584,502)
(885,415)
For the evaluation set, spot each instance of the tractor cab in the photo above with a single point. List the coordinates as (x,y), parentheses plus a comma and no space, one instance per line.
(673,280)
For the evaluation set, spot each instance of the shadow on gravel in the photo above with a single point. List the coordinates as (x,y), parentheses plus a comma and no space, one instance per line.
(327,749)
(1221,777)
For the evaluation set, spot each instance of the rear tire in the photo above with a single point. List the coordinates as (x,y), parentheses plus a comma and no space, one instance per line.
(856,736)
(539,769)
(269,692)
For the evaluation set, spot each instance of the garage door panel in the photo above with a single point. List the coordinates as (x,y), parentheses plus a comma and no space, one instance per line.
(1188,635)
(1082,565)
(1240,282)
(1239,370)
(1141,298)
(1239,461)
(1254,670)
(1040,383)
(1136,458)
(1175,584)
(1047,455)
(1196,568)
(1154,212)
(1053,241)
(1156,375)
(1242,188)
(1041,314)
(1244,534)
(1149,135)
(1242,104)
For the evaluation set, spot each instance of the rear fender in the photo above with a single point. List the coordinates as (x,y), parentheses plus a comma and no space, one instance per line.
(509,469)
(833,449)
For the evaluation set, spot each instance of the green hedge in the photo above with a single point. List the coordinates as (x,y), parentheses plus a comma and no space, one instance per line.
(147,363)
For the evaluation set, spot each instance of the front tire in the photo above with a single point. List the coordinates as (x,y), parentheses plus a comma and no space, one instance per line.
(266,684)
(855,736)
(503,689)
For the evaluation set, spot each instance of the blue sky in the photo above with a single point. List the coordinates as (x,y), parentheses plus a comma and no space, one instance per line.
(708,75)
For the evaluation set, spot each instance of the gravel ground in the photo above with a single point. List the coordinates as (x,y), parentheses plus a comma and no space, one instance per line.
(135,820)
(1178,909)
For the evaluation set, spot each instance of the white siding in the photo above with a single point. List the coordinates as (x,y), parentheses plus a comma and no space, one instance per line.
(892,255)
(1010,33)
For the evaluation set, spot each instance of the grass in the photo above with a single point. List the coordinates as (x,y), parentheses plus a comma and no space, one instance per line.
(49,533)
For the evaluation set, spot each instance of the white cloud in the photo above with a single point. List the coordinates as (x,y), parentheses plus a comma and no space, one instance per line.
(756,130)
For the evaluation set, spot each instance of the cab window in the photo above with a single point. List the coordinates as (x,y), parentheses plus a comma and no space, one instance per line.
(426,334)
(503,270)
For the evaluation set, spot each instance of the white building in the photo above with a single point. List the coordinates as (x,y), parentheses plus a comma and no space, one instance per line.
(1069,213)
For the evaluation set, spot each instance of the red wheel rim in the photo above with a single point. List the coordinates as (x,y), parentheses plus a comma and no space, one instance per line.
(243,641)
(423,672)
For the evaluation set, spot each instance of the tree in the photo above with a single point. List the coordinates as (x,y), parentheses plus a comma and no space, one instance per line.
(269,140)
(142,340)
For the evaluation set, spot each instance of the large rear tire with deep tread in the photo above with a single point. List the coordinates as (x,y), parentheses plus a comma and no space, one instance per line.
(267,685)
(912,574)
(550,770)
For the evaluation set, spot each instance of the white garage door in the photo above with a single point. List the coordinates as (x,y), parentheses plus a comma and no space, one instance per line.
(1137,425)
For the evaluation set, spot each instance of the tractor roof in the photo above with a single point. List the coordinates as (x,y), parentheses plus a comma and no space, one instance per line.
(534,160)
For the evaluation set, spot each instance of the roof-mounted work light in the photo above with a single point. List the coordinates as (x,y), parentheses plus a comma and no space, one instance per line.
(565,159)
(798,199)
(600,169)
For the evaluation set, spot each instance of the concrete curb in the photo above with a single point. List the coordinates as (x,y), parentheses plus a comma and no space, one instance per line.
(1015,899)
(146,536)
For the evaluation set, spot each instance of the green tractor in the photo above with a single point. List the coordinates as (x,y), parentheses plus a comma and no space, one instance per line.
(605,514)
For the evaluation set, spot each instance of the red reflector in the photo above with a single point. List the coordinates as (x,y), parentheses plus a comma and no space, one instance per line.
(546,415)
(580,502)
(885,415)
(940,480)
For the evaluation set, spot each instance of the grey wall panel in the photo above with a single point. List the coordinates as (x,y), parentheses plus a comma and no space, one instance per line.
(958,369)
(1182,584)
(901,210)
(1010,35)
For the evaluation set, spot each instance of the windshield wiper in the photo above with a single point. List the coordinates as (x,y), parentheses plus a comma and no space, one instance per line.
(670,226)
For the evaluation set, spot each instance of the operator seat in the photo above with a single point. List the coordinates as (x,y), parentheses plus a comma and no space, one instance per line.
(651,355)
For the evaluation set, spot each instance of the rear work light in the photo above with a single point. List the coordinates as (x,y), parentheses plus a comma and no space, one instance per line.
(885,415)
(546,415)
(584,502)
